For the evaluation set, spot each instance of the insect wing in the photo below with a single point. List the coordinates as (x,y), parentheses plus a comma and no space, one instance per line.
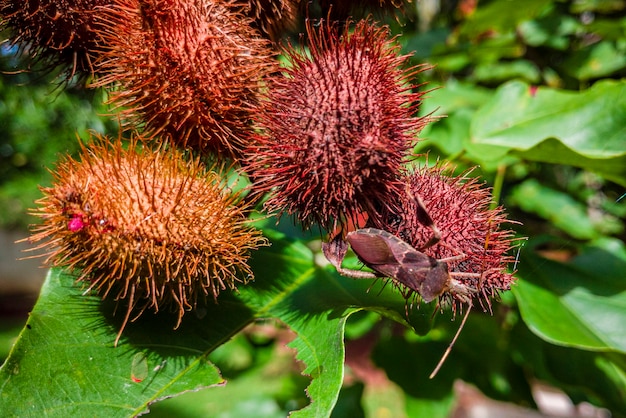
(374,251)
(435,282)
(391,256)
(418,271)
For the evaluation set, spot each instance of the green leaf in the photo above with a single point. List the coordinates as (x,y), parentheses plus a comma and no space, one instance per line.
(264,385)
(581,304)
(302,305)
(586,376)
(70,336)
(316,306)
(607,28)
(595,61)
(67,350)
(597,376)
(552,31)
(562,210)
(600,6)
(554,151)
(454,104)
(502,16)
(321,349)
(589,124)
(504,71)
(454,96)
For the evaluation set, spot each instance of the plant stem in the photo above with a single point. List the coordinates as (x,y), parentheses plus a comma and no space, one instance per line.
(497,186)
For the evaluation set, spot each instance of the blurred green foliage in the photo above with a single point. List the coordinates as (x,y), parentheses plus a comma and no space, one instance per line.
(41,119)
(534,93)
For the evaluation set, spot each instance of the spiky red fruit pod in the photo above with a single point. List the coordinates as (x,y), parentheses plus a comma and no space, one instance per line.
(274,17)
(460,209)
(54,32)
(190,70)
(148,228)
(336,126)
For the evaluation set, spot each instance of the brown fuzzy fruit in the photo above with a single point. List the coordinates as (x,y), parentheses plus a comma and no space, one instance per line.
(189,70)
(460,209)
(337,126)
(148,228)
(54,32)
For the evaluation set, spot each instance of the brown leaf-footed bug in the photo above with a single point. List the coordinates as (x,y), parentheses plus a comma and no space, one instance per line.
(390,256)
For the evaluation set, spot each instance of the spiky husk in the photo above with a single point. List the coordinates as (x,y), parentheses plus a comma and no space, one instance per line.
(147,227)
(188,70)
(54,32)
(460,208)
(274,17)
(336,126)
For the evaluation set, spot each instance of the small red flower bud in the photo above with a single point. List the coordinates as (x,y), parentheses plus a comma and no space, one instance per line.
(337,126)
(75,224)
(149,228)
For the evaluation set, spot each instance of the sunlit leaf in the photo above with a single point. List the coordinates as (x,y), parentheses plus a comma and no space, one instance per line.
(580,304)
(562,210)
(67,348)
(520,118)
(70,336)
(596,61)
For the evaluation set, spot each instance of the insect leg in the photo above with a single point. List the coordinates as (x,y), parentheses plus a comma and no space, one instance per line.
(335,251)
(449,349)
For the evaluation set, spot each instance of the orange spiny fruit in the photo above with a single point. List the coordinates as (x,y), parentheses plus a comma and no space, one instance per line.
(147,227)
(188,70)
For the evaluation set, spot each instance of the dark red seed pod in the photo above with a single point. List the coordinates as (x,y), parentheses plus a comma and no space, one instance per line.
(336,126)
(188,71)
(470,231)
(54,32)
(148,228)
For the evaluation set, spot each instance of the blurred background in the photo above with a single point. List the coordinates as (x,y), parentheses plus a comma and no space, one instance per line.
(569,201)
(39,122)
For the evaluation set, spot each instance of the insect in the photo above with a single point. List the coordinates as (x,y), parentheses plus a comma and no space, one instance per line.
(390,256)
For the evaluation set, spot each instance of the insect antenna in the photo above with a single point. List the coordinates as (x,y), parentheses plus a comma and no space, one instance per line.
(449,349)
